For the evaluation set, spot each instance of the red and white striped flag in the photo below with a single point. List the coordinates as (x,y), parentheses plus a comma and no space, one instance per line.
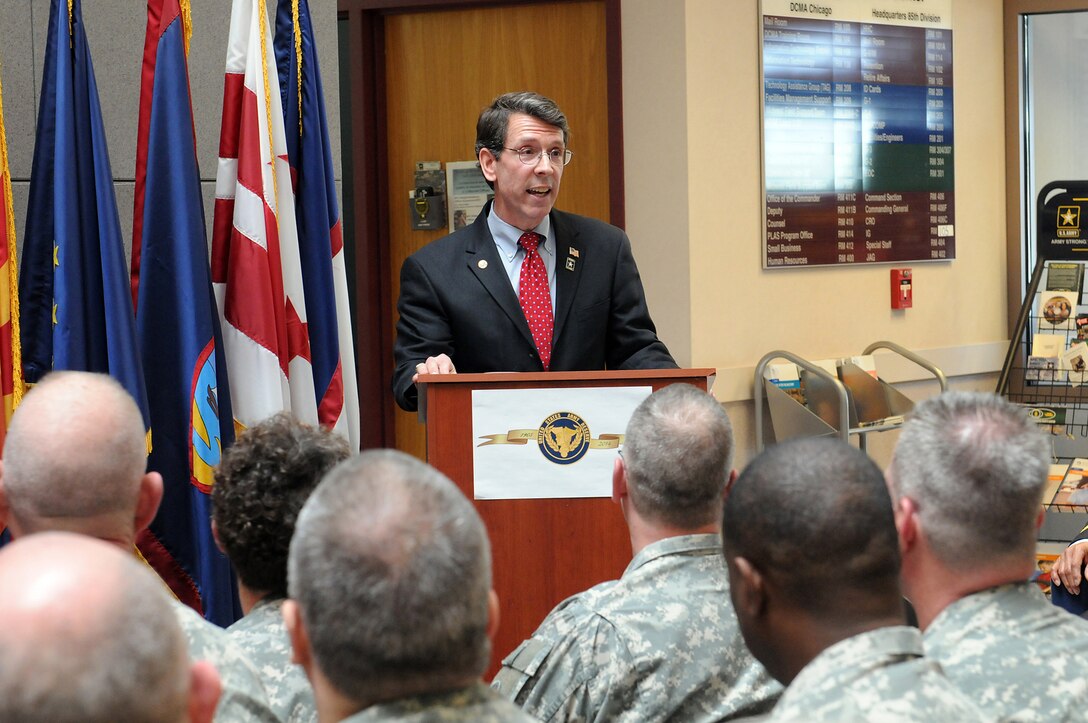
(256,269)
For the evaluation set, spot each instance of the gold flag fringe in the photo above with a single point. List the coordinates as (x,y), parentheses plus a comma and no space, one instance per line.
(18,386)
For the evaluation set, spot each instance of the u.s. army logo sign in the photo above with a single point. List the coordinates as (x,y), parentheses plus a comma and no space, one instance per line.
(563,438)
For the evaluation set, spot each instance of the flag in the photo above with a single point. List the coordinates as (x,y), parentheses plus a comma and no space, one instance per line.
(317,213)
(75,307)
(178,327)
(256,269)
(11,372)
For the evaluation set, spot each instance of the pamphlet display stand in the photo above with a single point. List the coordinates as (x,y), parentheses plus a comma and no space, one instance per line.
(543,550)
(866,403)
(1044,368)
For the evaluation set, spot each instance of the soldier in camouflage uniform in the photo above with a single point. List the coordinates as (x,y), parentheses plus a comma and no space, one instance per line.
(391,606)
(260,486)
(88,637)
(813,559)
(661,642)
(244,696)
(74,460)
(966,479)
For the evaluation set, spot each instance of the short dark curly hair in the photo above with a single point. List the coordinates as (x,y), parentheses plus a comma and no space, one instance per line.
(260,486)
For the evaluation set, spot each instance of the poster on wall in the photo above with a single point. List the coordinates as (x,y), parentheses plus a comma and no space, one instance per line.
(858,163)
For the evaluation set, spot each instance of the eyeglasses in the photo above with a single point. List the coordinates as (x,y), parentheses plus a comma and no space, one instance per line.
(530,157)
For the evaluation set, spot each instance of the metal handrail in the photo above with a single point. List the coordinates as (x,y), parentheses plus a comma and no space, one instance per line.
(757,392)
(908,354)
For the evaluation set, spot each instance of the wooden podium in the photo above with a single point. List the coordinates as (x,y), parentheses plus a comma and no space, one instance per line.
(543,550)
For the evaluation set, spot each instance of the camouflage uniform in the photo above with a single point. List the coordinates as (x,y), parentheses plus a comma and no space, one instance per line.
(243,698)
(476,704)
(878,675)
(660,642)
(1017,656)
(263,636)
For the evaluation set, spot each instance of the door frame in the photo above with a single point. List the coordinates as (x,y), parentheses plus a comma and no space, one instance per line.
(1015,211)
(366,200)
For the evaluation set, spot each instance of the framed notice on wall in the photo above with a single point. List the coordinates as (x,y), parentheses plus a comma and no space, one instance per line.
(858,163)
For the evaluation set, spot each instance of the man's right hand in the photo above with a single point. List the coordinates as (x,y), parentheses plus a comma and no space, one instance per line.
(440,364)
(1067,569)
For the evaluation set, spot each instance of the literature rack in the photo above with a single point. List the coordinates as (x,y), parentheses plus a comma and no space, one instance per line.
(1055,397)
(822,400)
(1045,366)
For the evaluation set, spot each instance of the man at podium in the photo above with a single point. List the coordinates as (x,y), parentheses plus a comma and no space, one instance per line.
(524,287)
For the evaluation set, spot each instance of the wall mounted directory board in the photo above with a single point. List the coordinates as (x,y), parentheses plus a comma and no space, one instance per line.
(857,132)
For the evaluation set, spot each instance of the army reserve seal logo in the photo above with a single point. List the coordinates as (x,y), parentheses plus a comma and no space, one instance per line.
(563,438)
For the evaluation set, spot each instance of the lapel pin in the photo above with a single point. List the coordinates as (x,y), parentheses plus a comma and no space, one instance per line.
(570,264)
(482,263)
(573,252)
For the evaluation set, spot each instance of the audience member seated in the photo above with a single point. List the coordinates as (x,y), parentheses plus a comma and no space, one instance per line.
(88,636)
(391,606)
(1068,573)
(74,460)
(813,560)
(260,486)
(967,481)
(661,642)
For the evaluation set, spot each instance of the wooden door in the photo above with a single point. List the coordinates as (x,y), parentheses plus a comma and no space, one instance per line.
(443,67)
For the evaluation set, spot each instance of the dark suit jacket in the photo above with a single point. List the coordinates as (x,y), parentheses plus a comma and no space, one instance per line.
(1076,604)
(455,298)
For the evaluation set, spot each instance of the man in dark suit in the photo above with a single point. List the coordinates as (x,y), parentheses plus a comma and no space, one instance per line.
(462,297)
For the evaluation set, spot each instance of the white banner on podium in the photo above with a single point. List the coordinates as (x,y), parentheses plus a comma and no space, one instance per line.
(538,443)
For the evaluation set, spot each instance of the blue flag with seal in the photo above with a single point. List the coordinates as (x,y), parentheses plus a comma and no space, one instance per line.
(317,216)
(179,335)
(73,288)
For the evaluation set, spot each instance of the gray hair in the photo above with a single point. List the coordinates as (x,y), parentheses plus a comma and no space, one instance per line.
(88,636)
(976,466)
(491,125)
(678,453)
(76,448)
(391,568)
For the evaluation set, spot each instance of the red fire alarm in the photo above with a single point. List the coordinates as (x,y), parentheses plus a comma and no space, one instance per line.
(902,296)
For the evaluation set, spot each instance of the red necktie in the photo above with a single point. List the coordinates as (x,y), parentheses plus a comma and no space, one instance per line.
(535,296)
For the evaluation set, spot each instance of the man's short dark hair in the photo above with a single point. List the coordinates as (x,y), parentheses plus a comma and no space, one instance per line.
(491,126)
(260,486)
(678,454)
(815,512)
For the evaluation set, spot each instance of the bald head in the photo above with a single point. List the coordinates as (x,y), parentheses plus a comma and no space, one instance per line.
(74,456)
(87,635)
(678,455)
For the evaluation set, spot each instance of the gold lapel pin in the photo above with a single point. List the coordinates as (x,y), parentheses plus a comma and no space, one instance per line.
(570,264)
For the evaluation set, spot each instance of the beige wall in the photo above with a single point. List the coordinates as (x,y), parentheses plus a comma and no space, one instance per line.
(692,136)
